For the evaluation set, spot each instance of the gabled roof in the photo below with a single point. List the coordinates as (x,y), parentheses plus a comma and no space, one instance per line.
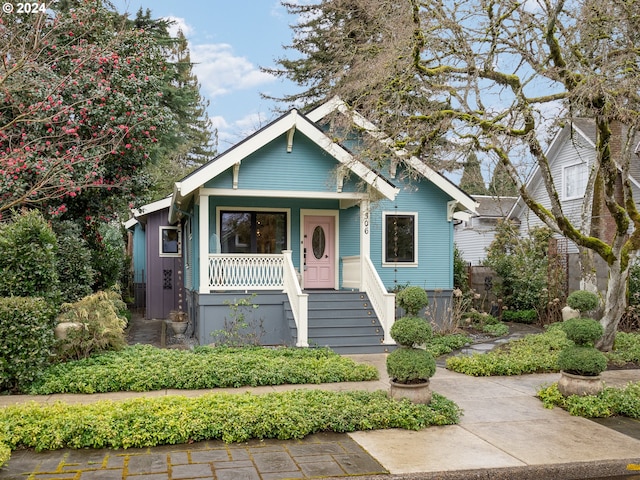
(293,121)
(140,214)
(336,104)
(585,128)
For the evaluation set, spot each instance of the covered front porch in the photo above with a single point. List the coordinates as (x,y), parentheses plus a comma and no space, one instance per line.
(317,257)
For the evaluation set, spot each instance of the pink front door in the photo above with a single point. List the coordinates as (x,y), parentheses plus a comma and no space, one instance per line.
(319,252)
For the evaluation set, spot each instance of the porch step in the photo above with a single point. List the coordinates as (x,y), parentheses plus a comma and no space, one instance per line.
(343,321)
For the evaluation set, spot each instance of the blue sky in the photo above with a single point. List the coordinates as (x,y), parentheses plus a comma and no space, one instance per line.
(229,40)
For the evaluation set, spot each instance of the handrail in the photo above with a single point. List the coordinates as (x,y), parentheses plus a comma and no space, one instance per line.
(299,301)
(383,302)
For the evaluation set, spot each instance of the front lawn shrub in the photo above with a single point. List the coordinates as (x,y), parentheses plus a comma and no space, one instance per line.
(146,422)
(412,300)
(143,368)
(443,344)
(410,331)
(583,301)
(538,353)
(612,401)
(529,316)
(496,330)
(582,331)
(26,341)
(582,361)
(102,325)
(410,365)
(108,258)
(74,262)
(28,249)
(534,353)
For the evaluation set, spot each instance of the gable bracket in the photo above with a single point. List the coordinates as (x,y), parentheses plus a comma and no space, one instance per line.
(451,209)
(236,175)
(290,133)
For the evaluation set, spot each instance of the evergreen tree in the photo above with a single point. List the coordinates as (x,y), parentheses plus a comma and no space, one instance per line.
(501,184)
(472,181)
(190,141)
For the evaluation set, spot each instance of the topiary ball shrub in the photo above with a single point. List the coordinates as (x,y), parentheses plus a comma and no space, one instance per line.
(586,361)
(410,365)
(412,300)
(582,331)
(583,301)
(410,331)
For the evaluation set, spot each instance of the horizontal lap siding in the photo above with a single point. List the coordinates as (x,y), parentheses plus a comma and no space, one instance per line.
(306,168)
(435,237)
(570,153)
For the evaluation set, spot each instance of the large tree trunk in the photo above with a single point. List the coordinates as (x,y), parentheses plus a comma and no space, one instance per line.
(614,305)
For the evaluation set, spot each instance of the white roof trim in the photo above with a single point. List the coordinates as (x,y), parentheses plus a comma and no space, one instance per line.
(271,132)
(427,172)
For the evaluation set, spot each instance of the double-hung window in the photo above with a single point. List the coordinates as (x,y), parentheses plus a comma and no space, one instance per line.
(575,181)
(400,238)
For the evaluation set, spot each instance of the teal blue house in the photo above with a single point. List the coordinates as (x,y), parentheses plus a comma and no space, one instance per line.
(321,238)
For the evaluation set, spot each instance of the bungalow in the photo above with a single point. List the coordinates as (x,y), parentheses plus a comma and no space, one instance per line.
(320,237)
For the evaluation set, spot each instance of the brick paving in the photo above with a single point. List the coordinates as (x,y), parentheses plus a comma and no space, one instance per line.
(319,455)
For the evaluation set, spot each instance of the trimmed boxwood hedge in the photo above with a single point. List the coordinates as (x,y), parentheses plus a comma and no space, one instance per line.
(146,422)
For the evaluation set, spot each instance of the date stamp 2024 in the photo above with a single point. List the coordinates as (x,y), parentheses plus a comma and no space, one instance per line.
(24,7)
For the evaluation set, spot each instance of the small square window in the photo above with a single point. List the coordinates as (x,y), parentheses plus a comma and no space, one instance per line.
(170,242)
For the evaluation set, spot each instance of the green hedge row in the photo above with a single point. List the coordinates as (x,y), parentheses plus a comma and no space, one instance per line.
(538,353)
(144,368)
(26,340)
(610,402)
(146,422)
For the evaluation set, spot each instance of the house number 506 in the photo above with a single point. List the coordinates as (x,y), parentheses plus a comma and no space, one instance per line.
(365,223)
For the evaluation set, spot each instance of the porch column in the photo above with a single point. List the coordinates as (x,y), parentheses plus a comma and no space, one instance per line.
(203,241)
(365,238)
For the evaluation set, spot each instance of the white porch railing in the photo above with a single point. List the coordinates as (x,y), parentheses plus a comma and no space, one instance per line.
(299,301)
(383,302)
(229,271)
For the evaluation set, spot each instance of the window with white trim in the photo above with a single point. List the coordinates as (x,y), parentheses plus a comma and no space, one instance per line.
(170,242)
(253,231)
(575,181)
(400,238)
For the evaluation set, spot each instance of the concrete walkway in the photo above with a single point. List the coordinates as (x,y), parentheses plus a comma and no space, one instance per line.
(504,433)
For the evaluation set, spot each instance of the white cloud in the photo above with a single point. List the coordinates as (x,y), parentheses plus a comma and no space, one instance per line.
(178,23)
(221,72)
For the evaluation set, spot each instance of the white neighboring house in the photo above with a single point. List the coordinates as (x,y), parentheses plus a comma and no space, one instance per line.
(474,236)
(571,155)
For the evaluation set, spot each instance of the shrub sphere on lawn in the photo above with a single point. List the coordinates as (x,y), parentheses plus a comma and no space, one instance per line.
(412,300)
(585,361)
(582,300)
(410,365)
(582,331)
(410,331)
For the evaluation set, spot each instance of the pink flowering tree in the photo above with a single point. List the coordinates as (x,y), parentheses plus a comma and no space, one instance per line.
(80,110)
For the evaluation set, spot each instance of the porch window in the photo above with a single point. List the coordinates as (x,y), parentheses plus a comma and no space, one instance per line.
(253,232)
(400,238)
(170,242)
(575,180)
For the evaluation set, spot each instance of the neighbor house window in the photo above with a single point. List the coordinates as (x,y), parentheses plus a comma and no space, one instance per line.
(170,242)
(400,238)
(575,180)
(253,232)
